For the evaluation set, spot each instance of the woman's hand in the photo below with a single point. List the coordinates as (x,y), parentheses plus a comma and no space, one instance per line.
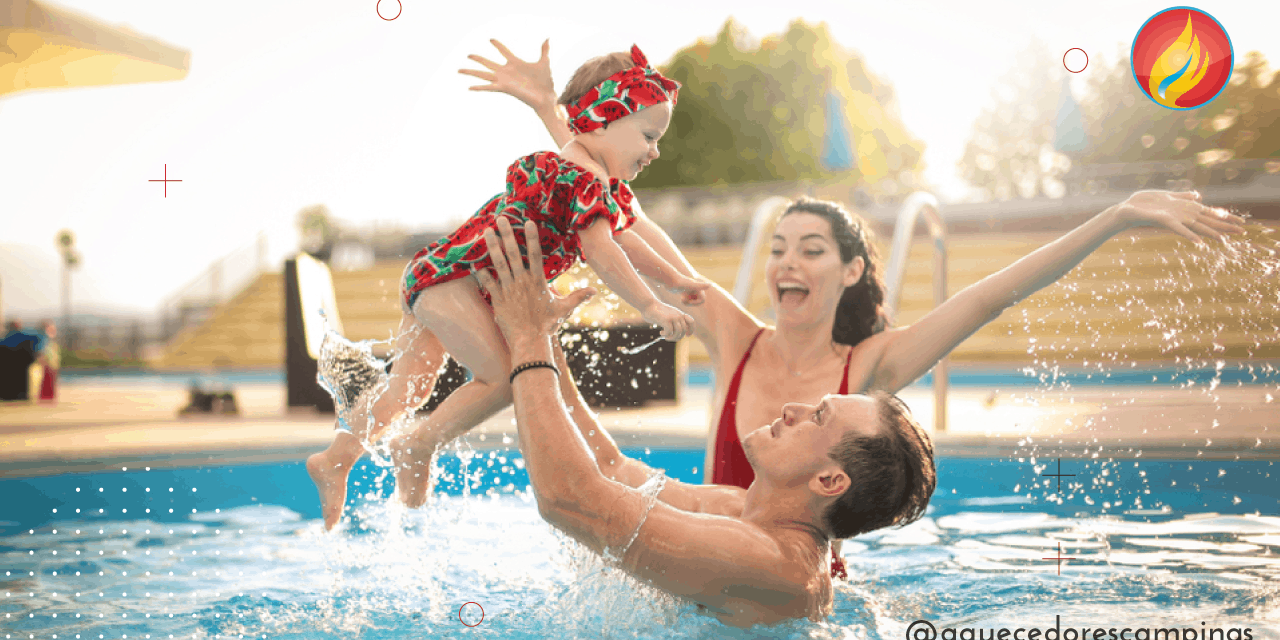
(1180,212)
(529,82)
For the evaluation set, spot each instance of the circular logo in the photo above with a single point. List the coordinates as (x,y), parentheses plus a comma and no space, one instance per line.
(1182,58)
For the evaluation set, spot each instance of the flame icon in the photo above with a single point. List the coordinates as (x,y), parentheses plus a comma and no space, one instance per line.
(1182,58)
(1179,68)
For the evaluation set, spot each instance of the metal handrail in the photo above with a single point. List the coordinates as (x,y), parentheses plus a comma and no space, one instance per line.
(903,230)
(759,221)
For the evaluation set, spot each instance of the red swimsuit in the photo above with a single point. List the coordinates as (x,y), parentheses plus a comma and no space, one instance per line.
(731,466)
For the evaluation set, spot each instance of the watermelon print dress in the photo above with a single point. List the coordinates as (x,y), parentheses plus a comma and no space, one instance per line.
(561,197)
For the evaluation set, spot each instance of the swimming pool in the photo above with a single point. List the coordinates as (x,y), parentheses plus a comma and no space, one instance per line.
(237,551)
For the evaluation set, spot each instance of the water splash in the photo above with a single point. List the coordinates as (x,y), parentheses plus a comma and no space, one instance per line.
(1209,312)
(634,350)
(649,491)
(347,371)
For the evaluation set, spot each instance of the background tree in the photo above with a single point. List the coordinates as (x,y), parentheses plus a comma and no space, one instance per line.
(319,230)
(754,111)
(1239,123)
(1010,153)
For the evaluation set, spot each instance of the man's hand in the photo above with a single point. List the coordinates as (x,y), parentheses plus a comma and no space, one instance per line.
(529,82)
(524,305)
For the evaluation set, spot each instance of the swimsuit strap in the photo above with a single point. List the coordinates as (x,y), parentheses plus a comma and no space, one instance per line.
(844,382)
(737,375)
(731,464)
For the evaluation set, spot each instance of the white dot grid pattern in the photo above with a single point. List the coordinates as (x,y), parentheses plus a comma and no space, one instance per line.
(77,542)
(148,574)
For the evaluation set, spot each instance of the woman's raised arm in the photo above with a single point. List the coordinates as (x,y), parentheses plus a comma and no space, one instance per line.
(909,352)
(528,82)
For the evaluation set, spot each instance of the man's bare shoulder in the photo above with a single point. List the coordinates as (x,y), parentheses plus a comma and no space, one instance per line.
(712,499)
(739,571)
(722,500)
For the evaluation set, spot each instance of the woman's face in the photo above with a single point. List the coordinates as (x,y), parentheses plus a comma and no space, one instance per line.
(804,272)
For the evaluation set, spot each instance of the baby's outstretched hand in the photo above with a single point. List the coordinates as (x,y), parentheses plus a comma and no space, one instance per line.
(674,323)
(529,82)
(691,289)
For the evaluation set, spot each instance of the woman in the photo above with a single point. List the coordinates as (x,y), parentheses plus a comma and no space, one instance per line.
(50,361)
(824,281)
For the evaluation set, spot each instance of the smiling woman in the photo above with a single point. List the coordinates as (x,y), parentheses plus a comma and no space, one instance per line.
(804,250)
(822,265)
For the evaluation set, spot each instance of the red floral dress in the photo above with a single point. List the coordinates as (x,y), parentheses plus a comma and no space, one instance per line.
(560,196)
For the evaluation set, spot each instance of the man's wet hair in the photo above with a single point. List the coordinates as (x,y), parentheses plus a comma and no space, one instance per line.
(892,474)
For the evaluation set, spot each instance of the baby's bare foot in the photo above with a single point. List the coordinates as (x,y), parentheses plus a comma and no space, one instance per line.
(411,457)
(331,482)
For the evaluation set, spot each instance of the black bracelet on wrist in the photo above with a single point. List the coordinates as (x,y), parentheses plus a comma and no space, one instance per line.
(532,365)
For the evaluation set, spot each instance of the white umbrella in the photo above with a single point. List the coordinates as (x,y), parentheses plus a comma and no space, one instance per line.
(43,47)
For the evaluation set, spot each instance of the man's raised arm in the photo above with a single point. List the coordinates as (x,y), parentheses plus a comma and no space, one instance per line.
(615,465)
(571,492)
(705,558)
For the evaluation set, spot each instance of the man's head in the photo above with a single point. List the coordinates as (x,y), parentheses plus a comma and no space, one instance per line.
(864,459)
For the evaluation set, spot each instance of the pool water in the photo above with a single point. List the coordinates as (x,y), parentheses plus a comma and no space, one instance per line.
(237,551)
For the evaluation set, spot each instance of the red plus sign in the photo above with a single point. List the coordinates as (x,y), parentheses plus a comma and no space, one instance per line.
(166,181)
(1059,558)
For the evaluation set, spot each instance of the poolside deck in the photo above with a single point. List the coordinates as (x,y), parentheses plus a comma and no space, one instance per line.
(98,426)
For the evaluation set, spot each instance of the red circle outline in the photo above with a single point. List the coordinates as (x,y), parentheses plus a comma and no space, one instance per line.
(460,614)
(375,8)
(1086,60)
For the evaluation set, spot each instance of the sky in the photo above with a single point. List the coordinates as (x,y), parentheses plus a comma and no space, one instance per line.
(291,103)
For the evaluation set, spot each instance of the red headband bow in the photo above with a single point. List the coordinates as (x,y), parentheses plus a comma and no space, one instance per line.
(621,95)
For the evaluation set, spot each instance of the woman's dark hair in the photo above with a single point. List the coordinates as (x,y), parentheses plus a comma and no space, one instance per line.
(861,312)
(892,474)
(592,73)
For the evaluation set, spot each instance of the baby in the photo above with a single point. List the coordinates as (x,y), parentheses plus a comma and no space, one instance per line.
(619,107)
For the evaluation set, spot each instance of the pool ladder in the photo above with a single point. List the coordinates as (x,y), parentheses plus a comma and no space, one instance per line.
(917,203)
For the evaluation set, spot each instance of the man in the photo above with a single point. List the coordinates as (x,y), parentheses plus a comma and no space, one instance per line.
(848,465)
